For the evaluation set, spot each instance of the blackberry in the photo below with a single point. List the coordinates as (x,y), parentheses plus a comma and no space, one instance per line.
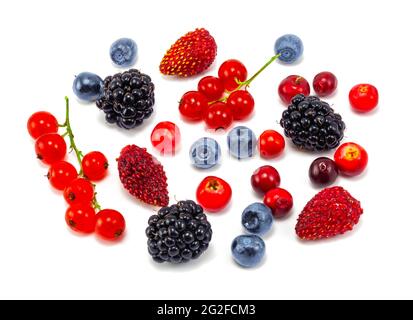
(128,98)
(178,233)
(311,124)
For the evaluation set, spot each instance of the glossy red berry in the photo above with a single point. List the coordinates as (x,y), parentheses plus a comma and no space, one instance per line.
(324,84)
(211,87)
(213,194)
(230,71)
(166,137)
(193,105)
(241,103)
(364,97)
(218,116)
(110,224)
(81,218)
(50,148)
(40,123)
(291,86)
(351,159)
(61,174)
(79,191)
(323,171)
(95,165)
(265,178)
(280,201)
(271,144)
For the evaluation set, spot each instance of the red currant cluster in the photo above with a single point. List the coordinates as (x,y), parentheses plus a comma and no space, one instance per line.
(78,189)
(221,100)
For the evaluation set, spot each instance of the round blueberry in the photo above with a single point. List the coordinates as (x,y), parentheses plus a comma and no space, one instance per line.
(290,47)
(242,142)
(88,86)
(205,153)
(248,250)
(257,218)
(123,52)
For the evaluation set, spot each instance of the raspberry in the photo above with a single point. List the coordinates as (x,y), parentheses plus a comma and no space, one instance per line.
(331,212)
(143,176)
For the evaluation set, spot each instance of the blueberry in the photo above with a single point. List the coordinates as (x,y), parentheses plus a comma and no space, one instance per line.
(248,250)
(123,52)
(242,142)
(290,47)
(205,153)
(257,218)
(88,86)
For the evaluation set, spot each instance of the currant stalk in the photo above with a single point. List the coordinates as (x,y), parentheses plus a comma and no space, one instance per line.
(79,154)
(247,82)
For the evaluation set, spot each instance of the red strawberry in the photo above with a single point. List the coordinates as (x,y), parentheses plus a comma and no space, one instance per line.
(143,176)
(331,212)
(190,55)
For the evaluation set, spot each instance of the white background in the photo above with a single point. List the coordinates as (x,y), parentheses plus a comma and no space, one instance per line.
(46,43)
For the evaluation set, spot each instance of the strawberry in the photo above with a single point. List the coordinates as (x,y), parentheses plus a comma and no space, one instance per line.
(143,176)
(189,55)
(331,212)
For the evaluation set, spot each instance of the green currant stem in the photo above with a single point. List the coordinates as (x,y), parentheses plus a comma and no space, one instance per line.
(95,202)
(248,82)
(79,154)
(72,137)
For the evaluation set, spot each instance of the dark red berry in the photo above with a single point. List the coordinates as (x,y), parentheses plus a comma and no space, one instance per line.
(323,171)
(265,178)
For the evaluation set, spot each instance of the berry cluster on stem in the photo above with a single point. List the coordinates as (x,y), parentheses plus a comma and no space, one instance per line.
(245,84)
(73,147)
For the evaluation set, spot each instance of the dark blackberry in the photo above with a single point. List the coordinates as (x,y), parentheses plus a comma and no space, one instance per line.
(311,124)
(178,233)
(128,98)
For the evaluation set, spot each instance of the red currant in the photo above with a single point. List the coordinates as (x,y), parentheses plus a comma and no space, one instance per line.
(241,103)
(50,148)
(265,178)
(325,83)
(230,71)
(166,137)
(218,116)
(211,87)
(110,224)
(81,218)
(193,105)
(95,165)
(79,191)
(40,123)
(280,201)
(60,174)
(364,97)
(271,144)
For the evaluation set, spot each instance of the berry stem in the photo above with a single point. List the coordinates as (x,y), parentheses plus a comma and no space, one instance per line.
(72,137)
(95,202)
(246,83)
(79,154)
